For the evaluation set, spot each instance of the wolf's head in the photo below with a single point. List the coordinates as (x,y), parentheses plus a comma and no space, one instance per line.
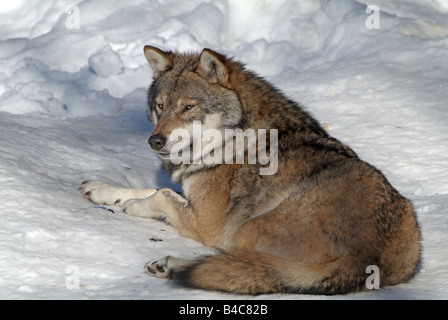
(187,89)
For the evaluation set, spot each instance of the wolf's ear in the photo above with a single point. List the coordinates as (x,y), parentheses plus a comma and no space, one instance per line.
(212,67)
(159,60)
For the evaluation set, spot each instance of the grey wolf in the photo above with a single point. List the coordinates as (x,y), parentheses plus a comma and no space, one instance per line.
(312,227)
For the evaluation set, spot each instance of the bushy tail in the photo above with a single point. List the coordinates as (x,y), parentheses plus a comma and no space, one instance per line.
(250,272)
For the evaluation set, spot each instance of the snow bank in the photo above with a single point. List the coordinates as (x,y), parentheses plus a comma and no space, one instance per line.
(72,107)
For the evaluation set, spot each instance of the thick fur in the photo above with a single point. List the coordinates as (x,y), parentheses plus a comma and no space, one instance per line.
(312,227)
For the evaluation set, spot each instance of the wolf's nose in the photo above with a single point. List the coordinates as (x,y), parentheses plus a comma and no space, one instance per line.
(157,141)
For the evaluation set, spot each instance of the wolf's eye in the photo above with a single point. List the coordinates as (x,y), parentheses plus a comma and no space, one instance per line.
(189,107)
(160,106)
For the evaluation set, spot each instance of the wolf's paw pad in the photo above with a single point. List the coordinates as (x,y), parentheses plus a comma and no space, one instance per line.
(159,268)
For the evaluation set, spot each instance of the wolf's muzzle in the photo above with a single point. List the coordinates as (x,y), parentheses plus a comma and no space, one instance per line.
(157,141)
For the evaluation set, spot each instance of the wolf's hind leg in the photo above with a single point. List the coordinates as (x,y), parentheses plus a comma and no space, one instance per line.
(164,267)
(105,194)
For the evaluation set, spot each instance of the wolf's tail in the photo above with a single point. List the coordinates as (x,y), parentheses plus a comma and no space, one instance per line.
(250,272)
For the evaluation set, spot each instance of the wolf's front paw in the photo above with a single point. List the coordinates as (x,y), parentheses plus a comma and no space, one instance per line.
(142,208)
(134,207)
(101,193)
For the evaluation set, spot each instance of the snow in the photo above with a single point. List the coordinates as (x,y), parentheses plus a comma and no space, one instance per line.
(73,102)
